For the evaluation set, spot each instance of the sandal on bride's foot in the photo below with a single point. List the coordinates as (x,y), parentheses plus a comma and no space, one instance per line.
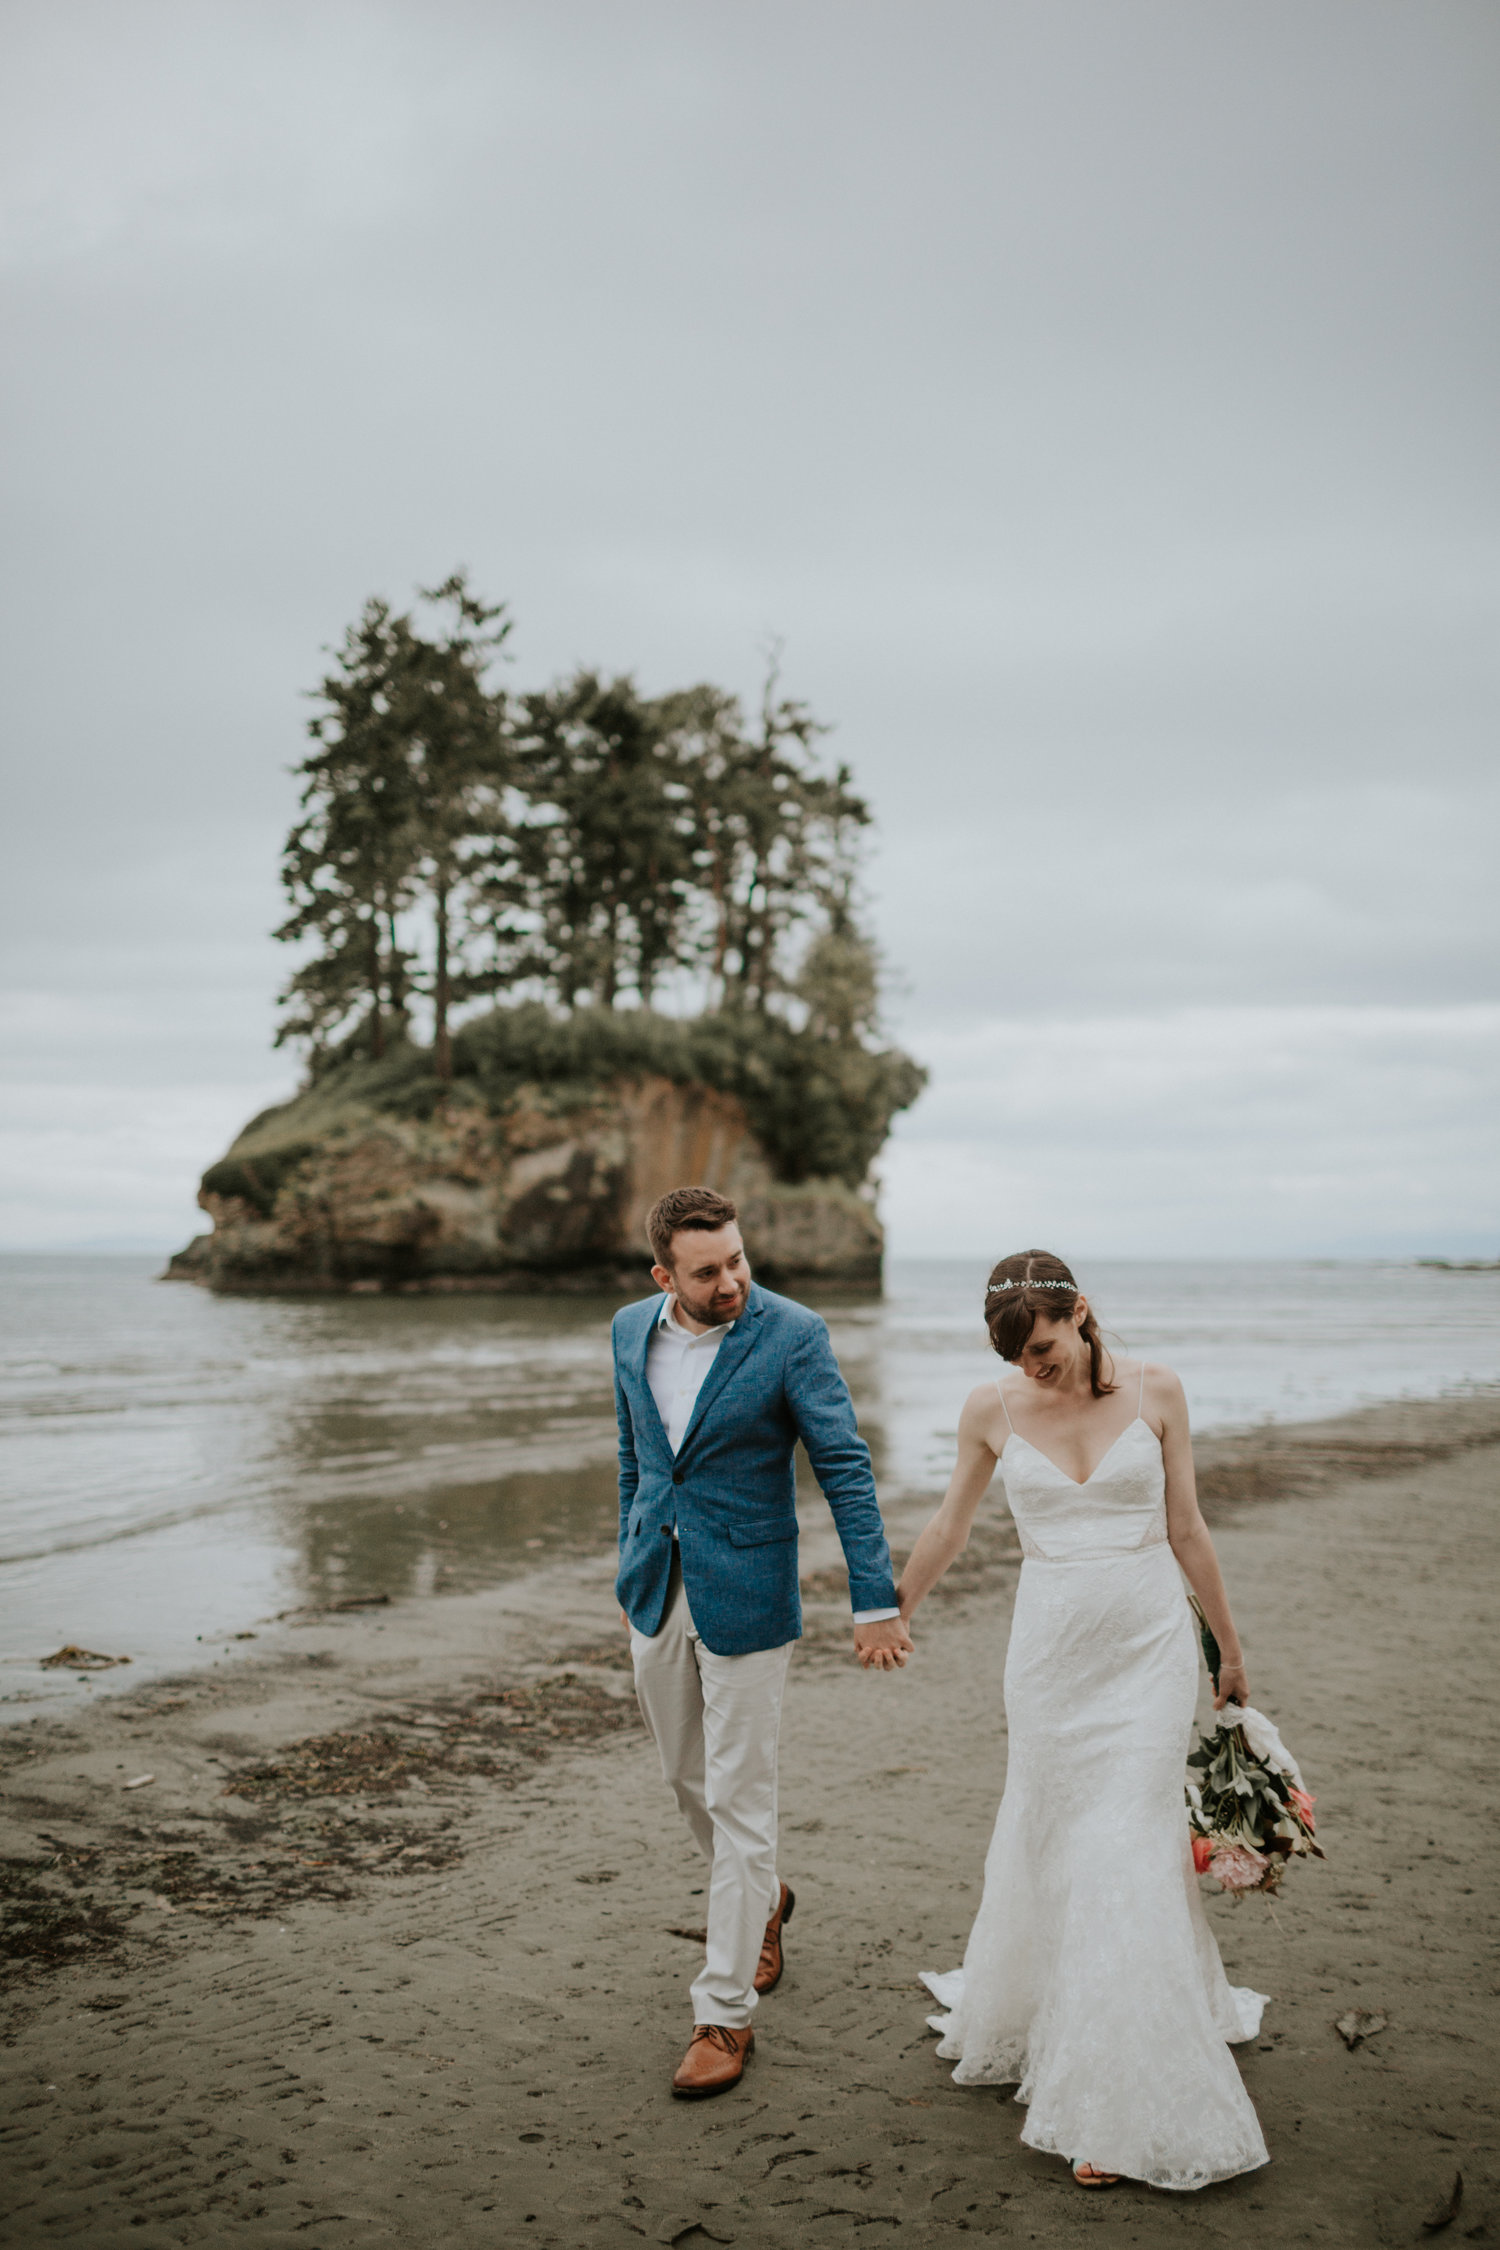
(1089,2176)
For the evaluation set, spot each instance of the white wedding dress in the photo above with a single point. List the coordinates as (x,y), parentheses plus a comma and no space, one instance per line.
(1091,1975)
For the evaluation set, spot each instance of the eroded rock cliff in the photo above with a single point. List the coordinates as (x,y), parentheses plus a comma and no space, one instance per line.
(551,1192)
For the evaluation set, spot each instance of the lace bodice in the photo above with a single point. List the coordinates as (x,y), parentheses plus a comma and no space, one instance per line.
(1122,1506)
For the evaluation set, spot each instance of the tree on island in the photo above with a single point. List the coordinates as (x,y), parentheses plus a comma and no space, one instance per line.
(638,882)
(406,780)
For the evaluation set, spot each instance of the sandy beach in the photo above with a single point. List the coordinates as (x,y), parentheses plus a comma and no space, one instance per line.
(393,1945)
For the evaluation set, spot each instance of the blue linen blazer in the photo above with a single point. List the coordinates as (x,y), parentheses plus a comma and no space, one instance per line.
(731,1492)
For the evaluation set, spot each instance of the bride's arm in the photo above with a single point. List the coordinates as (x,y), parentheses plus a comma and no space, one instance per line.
(947,1535)
(1190,1539)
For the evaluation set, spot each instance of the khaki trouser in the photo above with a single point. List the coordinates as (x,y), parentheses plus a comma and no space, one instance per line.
(715,1721)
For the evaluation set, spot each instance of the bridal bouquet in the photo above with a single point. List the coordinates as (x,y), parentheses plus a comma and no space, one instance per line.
(1249,1815)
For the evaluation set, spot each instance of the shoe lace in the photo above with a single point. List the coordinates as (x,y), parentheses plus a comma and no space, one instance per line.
(717,2035)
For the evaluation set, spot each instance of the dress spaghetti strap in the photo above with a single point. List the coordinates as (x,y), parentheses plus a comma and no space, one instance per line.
(1140,1396)
(1005,1410)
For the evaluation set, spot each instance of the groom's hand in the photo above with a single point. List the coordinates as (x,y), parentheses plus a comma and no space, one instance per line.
(883,1647)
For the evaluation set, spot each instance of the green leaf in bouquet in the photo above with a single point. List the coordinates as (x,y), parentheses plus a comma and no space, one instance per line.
(1211,1654)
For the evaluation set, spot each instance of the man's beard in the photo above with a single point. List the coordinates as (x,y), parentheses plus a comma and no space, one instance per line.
(710,1314)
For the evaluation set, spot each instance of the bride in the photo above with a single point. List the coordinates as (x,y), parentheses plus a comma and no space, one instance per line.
(1091,1977)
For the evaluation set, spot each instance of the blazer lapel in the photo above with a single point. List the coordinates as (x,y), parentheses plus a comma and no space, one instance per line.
(642,1344)
(729,1357)
(635,1367)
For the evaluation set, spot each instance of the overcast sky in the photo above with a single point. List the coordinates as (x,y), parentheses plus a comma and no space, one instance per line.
(1099,398)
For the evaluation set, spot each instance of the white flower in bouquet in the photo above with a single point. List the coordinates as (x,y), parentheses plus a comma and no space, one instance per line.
(1263,1739)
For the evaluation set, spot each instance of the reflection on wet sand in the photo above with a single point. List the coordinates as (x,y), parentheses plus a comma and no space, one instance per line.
(486,1452)
(449,1537)
(177,1467)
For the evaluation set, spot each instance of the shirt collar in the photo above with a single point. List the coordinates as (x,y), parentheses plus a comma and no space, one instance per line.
(666,1319)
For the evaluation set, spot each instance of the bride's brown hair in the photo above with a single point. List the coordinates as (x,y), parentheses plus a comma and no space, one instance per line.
(1031,1285)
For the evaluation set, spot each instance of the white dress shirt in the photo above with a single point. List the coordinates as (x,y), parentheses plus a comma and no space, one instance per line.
(677,1365)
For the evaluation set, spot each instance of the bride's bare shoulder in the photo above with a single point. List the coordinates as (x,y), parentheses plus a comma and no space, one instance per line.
(1161,1386)
(981,1408)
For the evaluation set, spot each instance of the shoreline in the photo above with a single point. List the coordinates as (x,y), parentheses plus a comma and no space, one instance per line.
(404,1919)
(1268,1460)
(182,1468)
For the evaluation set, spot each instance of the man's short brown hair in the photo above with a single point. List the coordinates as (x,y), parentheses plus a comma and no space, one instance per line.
(696,1210)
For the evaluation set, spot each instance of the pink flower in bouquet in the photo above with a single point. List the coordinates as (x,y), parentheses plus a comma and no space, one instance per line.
(1203,1852)
(1304,1804)
(1238,1867)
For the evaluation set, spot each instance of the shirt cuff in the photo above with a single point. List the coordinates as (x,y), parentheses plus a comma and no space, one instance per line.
(874,1616)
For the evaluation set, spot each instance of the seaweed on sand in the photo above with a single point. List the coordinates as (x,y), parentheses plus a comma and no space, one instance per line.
(45,1925)
(490,1736)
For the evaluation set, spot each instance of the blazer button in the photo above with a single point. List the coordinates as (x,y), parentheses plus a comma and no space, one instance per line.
(666,1531)
(677,1476)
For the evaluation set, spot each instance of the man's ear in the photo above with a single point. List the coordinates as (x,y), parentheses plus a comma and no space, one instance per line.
(663,1280)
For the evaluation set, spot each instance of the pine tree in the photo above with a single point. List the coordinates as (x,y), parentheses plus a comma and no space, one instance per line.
(349,864)
(452,725)
(773,837)
(601,871)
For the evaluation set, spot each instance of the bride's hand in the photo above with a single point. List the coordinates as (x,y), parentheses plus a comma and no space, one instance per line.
(1234,1686)
(883,1647)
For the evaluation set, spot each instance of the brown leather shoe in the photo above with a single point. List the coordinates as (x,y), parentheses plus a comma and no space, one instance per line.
(768,1974)
(714,2062)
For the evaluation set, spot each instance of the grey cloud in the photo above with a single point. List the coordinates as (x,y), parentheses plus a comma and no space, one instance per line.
(1273,1132)
(1100,401)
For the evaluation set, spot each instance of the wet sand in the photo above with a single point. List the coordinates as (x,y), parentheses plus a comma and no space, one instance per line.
(394,1947)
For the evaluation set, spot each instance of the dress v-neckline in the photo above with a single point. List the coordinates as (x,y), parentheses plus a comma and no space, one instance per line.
(1078,1486)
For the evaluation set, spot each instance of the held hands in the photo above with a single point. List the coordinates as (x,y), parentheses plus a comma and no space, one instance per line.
(880,1648)
(883,1647)
(1233,1687)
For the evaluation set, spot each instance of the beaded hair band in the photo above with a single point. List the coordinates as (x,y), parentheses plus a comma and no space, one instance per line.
(997,1288)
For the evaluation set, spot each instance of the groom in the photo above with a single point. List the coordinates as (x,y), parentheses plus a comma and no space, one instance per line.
(715,1381)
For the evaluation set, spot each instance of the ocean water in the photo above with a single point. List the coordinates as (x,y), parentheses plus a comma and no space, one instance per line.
(176,1467)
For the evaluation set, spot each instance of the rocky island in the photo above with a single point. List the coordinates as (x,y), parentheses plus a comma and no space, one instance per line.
(562,859)
(376,1177)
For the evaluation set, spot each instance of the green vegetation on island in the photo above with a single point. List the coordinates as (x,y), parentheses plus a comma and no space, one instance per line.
(578,890)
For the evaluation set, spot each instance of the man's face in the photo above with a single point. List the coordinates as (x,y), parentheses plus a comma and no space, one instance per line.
(709,1274)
